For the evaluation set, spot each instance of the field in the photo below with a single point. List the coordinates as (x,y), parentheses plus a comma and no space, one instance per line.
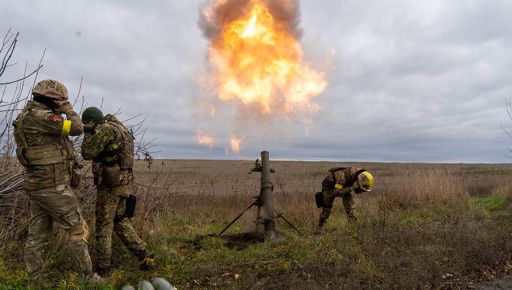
(425,226)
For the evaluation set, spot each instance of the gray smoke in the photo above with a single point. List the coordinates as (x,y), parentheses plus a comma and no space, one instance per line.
(286,13)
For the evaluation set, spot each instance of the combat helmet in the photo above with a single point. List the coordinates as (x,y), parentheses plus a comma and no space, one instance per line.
(92,114)
(365,180)
(51,89)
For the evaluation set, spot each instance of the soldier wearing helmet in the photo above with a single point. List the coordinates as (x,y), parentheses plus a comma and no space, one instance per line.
(341,182)
(44,149)
(109,144)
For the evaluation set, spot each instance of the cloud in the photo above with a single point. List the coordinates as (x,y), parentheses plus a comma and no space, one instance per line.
(410,80)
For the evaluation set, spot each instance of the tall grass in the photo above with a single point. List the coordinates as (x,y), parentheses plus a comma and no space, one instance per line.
(424,226)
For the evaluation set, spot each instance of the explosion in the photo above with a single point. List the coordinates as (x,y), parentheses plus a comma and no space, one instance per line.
(256,59)
(235,144)
(204,138)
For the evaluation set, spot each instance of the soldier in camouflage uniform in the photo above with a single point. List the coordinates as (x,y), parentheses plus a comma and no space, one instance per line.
(44,149)
(109,145)
(341,182)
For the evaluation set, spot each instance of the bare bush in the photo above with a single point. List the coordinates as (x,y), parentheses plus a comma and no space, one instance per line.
(13,202)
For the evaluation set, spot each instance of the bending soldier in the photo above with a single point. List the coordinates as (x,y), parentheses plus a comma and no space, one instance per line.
(341,182)
(109,145)
(44,149)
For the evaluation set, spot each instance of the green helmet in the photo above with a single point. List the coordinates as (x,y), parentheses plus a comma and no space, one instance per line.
(51,89)
(92,114)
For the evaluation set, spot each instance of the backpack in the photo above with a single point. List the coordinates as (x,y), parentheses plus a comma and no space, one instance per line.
(126,158)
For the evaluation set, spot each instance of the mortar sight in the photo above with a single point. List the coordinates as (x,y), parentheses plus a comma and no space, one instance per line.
(257,167)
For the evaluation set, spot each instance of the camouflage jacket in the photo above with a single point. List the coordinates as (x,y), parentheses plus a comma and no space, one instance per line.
(341,179)
(43,146)
(104,144)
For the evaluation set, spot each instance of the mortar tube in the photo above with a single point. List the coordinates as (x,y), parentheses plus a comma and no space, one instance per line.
(266,196)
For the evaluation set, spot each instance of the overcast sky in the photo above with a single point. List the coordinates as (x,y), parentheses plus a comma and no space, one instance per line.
(422,81)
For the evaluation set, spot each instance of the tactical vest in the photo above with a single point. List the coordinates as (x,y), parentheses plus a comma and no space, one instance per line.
(126,153)
(36,155)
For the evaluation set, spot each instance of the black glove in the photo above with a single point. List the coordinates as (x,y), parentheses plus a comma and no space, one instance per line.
(129,210)
(319,199)
(131,201)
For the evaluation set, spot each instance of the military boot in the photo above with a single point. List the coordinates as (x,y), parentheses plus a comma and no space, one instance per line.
(102,271)
(147,260)
(320,228)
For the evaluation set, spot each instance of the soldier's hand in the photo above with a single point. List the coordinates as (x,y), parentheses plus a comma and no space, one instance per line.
(64,107)
(355,186)
(76,175)
(89,127)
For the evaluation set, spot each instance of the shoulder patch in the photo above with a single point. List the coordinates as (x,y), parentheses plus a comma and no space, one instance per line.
(56,118)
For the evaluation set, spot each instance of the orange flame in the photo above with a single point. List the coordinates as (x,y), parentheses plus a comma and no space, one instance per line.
(258,61)
(204,138)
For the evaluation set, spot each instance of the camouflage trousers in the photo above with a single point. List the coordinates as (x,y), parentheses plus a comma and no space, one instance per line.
(110,206)
(328,199)
(56,205)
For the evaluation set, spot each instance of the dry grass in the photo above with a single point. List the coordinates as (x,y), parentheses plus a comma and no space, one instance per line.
(424,226)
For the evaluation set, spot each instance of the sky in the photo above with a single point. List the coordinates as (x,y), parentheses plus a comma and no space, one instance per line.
(408,81)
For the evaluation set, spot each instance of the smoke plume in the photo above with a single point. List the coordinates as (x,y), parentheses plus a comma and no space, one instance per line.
(216,14)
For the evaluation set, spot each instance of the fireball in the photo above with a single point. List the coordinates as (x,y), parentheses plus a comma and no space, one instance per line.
(235,144)
(259,61)
(256,59)
(204,138)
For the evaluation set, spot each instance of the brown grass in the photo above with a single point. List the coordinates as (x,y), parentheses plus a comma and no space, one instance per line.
(421,222)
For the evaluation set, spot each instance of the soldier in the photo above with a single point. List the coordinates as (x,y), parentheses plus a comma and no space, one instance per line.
(342,181)
(109,145)
(44,149)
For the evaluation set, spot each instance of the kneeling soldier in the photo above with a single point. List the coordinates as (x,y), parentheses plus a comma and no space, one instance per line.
(342,181)
(109,144)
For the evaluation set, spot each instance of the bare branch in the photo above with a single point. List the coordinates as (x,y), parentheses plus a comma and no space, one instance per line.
(8,54)
(13,103)
(9,110)
(6,39)
(118,112)
(22,78)
(40,64)
(129,119)
(79,90)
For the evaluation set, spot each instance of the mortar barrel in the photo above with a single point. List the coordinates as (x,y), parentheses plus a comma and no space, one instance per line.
(266,196)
